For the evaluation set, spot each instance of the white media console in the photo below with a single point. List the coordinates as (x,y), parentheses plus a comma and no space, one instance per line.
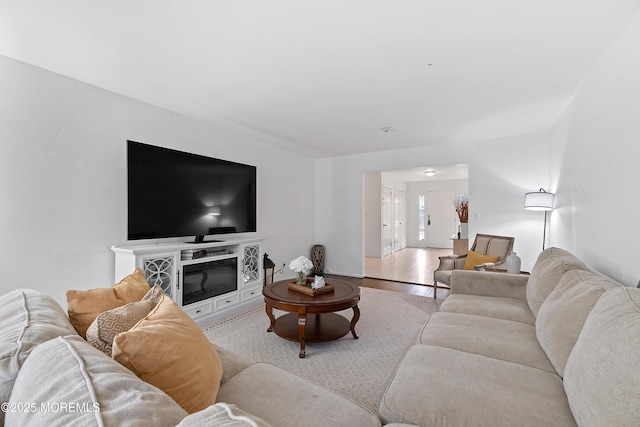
(202,278)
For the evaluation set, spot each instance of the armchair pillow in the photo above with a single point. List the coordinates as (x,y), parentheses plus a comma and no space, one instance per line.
(85,306)
(475,258)
(168,350)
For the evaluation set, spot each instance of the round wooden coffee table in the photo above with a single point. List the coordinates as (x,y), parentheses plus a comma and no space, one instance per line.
(325,325)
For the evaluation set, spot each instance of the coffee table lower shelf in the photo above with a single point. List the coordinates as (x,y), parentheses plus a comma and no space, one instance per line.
(320,327)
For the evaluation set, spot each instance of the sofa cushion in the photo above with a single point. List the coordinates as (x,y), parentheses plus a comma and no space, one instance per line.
(85,306)
(501,339)
(167,349)
(475,258)
(565,310)
(110,323)
(498,307)
(222,415)
(29,318)
(285,400)
(72,383)
(551,264)
(602,379)
(438,386)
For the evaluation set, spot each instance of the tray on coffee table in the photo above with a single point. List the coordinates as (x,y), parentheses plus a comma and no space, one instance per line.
(308,290)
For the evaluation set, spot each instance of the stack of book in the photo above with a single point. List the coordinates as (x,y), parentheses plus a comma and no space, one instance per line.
(216,252)
(193,253)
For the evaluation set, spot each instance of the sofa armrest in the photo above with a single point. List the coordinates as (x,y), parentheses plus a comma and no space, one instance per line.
(232,363)
(489,284)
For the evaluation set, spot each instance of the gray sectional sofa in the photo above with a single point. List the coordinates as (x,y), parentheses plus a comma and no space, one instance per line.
(560,347)
(50,376)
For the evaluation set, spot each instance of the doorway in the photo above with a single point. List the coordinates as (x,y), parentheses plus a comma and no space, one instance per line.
(395,219)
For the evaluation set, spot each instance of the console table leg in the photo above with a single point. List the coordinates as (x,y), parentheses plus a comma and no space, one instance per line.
(302,323)
(354,320)
(272,319)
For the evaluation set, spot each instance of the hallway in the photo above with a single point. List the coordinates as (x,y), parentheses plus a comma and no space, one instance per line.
(408,265)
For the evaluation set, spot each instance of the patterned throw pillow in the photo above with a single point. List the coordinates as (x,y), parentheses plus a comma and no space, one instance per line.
(110,323)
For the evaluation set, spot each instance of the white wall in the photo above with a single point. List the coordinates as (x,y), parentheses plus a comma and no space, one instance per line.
(500,172)
(372,214)
(594,164)
(63,197)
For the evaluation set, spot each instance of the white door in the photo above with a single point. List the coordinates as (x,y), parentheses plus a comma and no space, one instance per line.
(400,221)
(387,221)
(441,219)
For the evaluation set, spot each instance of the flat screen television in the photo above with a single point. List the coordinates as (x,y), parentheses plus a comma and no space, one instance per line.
(174,194)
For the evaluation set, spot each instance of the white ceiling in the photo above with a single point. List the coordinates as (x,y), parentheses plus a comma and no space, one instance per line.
(323,77)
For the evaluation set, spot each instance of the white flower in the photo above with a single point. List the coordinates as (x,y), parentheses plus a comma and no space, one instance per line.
(301,265)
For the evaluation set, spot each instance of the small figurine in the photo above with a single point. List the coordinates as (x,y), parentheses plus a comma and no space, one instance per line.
(318,282)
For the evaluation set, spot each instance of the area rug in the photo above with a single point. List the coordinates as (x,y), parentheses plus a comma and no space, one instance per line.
(358,369)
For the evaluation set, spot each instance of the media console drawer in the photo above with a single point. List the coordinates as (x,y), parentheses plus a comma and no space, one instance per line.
(199,309)
(254,292)
(226,300)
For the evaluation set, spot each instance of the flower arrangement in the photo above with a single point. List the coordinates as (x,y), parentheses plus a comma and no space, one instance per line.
(462,208)
(302,266)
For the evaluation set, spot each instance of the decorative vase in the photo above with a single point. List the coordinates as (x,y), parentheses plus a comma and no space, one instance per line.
(302,278)
(464,230)
(513,263)
(317,259)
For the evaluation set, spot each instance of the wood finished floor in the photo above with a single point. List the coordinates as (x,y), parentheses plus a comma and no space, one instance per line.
(409,271)
(387,285)
(408,265)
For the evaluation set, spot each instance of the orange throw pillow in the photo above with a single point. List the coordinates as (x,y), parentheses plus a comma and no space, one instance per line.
(168,350)
(474,258)
(85,306)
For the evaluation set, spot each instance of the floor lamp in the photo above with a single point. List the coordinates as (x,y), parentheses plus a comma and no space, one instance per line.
(540,201)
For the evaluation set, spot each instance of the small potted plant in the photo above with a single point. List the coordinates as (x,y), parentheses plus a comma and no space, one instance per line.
(302,266)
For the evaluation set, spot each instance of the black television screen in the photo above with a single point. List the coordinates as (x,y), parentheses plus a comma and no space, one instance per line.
(173,194)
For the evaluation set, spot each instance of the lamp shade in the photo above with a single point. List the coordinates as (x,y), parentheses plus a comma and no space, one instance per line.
(213,210)
(539,201)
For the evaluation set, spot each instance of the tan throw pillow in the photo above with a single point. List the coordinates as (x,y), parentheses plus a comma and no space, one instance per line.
(474,258)
(84,306)
(168,350)
(110,323)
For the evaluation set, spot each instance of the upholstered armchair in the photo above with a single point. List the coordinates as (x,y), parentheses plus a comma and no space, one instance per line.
(484,245)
